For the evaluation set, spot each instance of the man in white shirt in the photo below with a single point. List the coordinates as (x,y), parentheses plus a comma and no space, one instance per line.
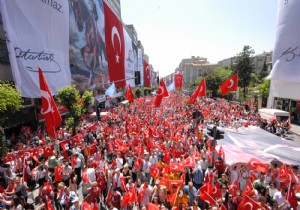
(280,197)
(153,159)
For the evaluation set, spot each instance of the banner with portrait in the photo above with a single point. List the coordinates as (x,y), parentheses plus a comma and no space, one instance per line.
(88,58)
(37,37)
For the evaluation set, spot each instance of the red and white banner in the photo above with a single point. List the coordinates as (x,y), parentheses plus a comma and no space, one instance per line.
(33,42)
(147,74)
(115,47)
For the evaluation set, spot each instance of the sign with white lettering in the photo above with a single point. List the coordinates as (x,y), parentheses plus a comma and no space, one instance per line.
(37,36)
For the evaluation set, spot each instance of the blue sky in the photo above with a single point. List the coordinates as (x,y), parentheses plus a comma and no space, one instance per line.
(171,30)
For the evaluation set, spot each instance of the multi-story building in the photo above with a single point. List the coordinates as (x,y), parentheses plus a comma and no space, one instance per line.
(259,61)
(194,67)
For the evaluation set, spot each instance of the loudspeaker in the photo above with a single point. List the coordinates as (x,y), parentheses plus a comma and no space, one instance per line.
(137,78)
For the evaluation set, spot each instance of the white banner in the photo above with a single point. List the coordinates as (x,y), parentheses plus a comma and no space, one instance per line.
(38,36)
(286,56)
(129,59)
(141,66)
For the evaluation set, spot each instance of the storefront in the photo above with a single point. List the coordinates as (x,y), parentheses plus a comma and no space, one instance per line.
(289,105)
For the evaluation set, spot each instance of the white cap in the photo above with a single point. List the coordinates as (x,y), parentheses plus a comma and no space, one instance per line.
(75,199)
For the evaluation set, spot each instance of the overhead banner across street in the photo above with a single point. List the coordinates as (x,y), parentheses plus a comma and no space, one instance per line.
(37,37)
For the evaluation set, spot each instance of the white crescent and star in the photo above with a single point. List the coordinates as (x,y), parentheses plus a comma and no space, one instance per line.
(47,97)
(160,91)
(254,163)
(214,191)
(114,31)
(231,84)
(250,204)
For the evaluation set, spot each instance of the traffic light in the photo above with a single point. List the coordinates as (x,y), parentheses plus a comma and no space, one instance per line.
(215,132)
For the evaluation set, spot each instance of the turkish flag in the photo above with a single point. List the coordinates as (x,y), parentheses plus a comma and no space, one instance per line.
(142,193)
(152,206)
(248,204)
(178,80)
(283,171)
(249,190)
(49,108)
(65,147)
(256,165)
(202,91)
(214,190)
(207,198)
(291,197)
(194,96)
(147,74)
(86,206)
(230,84)
(115,47)
(48,151)
(234,187)
(58,173)
(129,197)
(123,183)
(189,162)
(128,94)
(162,92)
(154,171)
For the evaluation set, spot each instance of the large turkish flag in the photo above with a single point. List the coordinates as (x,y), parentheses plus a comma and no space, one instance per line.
(49,108)
(115,47)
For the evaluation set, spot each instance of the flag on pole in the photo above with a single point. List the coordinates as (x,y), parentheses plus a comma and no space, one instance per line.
(202,91)
(171,87)
(111,91)
(230,84)
(128,94)
(49,108)
(162,92)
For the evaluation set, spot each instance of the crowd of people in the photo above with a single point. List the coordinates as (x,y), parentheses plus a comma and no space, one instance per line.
(141,157)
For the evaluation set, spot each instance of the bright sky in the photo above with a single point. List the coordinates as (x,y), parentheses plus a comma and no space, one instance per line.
(171,30)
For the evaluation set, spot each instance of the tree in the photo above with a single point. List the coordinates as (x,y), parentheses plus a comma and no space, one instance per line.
(214,78)
(10,102)
(77,106)
(264,72)
(264,90)
(244,67)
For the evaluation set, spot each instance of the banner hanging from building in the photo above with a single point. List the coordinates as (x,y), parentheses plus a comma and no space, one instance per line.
(37,36)
(286,56)
(88,57)
(147,74)
(129,59)
(141,66)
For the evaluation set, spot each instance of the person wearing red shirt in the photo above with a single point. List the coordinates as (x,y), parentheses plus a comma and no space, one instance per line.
(94,193)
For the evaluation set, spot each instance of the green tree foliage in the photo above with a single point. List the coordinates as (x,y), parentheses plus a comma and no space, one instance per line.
(244,67)
(264,72)
(214,78)
(70,97)
(264,89)
(138,92)
(87,99)
(10,102)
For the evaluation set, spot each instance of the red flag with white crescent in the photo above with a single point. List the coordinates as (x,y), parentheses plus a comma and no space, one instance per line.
(128,94)
(230,84)
(202,91)
(178,80)
(49,108)
(162,92)
(115,47)
(147,74)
